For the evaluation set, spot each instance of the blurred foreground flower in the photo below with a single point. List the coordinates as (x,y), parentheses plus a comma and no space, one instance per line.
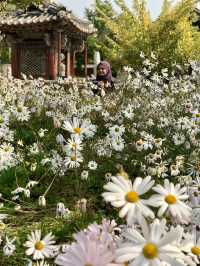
(87,250)
(152,247)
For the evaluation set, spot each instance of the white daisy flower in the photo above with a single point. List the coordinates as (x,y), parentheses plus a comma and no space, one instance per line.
(178,139)
(42,132)
(86,251)
(42,201)
(42,263)
(189,245)
(40,248)
(123,193)
(152,247)
(73,144)
(31,184)
(129,111)
(4,119)
(60,139)
(73,160)
(174,170)
(80,128)
(7,149)
(9,247)
(171,199)
(34,149)
(117,144)
(21,112)
(158,142)
(92,165)
(84,175)
(139,145)
(116,131)
(38,263)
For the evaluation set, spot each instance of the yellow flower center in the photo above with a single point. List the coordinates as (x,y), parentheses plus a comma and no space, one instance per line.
(74,146)
(6,149)
(196,251)
(170,199)
(132,196)
(19,109)
(77,130)
(140,142)
(150,251)
(39,245)
(73,158)
(198,115)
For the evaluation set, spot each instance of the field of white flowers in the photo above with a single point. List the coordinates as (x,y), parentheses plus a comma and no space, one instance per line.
(101,181)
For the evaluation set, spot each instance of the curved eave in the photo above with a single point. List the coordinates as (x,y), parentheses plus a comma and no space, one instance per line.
(47,24)
(16,22)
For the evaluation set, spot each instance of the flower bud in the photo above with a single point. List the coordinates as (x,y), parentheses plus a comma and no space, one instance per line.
(42,201)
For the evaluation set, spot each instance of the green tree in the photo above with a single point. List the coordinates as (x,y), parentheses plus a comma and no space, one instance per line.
(104,34)
(124,34)
(5,4)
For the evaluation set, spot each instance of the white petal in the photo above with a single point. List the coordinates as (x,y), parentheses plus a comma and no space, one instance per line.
(118,204)
(162,209)
(124,210)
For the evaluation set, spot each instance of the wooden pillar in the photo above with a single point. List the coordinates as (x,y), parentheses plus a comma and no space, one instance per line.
(51,66)
(85,60)
(67,64)
(15,61)
(59,50)
(72,63)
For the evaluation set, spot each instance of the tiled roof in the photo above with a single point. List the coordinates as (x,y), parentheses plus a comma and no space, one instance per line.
(45,14)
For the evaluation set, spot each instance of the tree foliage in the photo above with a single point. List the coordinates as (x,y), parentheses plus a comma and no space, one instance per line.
(125,32)
(8,4)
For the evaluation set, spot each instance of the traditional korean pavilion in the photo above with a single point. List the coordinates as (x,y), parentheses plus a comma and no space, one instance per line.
(44,40)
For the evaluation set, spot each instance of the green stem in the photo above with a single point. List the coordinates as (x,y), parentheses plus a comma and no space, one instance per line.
(45,193)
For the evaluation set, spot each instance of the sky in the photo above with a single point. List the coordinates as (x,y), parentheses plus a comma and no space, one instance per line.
(78,6)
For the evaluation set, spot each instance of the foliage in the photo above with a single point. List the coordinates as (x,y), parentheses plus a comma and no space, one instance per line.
(124,34)
(4,55)
(10,4)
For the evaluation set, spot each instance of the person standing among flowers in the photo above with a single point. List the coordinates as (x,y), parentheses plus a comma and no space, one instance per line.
(104,79)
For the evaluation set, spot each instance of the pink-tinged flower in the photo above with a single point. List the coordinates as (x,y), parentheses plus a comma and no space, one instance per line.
(86,251)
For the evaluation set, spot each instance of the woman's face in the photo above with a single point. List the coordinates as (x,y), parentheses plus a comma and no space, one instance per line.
(102,71)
